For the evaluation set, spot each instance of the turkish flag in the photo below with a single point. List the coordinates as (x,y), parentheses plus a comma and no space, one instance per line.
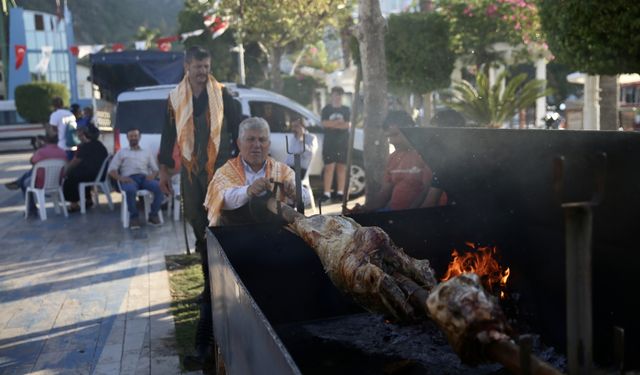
(20,50)
(75,50)
(117,47)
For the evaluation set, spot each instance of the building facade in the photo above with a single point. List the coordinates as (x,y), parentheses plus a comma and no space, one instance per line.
(38,31)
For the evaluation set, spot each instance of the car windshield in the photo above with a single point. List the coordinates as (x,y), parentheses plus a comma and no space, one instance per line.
(148,116)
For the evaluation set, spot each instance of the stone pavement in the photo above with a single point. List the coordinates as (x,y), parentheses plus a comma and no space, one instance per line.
(82,295)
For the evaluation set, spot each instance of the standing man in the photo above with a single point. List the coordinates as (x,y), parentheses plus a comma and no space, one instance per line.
(202,122)
(335,120)
(61,119)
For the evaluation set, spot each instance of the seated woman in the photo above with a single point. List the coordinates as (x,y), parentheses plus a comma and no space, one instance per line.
(407,178)
(302,142)
(84,167)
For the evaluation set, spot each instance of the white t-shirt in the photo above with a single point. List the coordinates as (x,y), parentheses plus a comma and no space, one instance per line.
(60,118)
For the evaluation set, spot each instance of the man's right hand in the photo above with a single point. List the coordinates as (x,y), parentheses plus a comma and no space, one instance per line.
(165,181)
(258,187)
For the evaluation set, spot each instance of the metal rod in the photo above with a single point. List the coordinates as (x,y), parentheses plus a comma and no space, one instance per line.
(352,135)
(618,349)
(298,172)
(578,226)
(525,342)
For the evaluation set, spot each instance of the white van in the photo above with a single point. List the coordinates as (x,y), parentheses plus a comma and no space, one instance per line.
(145,108)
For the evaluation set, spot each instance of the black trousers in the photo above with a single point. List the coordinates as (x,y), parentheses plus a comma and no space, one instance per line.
(193,193)
(73,180)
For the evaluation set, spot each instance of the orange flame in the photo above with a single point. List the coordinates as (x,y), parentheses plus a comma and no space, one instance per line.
(481,262)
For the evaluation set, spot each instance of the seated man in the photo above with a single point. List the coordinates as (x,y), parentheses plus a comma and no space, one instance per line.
(49,150)
(136,169)
(85,165)
(248,178)
(407,178)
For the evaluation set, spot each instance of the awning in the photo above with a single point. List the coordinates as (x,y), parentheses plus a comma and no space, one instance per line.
(121,71)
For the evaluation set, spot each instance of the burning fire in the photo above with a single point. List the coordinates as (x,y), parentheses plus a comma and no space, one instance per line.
(481,262)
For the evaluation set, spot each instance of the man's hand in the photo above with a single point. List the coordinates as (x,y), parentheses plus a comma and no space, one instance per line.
(125,180)
(258,187)
(165,181)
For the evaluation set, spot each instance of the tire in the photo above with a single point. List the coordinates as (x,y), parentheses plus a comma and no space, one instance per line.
(357,178)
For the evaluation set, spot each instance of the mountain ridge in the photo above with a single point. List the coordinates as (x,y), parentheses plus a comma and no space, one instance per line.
(114,21)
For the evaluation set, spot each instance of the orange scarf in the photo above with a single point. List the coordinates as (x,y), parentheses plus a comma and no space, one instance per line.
(231,174)
(181,99)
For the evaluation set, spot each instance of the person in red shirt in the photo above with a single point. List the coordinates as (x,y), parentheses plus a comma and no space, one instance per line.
(407,178)
(49,150)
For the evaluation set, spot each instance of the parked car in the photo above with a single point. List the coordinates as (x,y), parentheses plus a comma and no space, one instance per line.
(145,108)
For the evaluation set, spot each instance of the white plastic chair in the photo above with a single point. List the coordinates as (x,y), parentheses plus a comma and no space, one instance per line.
(52,184)
(146,195)
(100,183)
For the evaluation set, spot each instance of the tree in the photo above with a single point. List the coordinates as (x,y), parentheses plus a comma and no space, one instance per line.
(190,18)
(490,105)
(277,26)
(595,37)
(33,100)
(419,54)
(477,25)
(598,38)
(370,33)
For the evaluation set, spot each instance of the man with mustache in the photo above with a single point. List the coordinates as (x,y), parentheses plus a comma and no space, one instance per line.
(202,121)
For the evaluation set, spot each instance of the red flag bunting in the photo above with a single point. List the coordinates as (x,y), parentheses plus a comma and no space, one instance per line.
(218,28)
(117,47)
(20,50)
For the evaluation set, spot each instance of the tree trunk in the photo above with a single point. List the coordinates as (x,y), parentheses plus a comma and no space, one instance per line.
(275,55)
(374,77)
(609,99)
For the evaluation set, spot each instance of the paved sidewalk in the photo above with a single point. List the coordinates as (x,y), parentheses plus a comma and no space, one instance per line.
(82,295)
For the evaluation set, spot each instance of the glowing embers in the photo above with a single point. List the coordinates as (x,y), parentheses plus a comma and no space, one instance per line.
(482,261)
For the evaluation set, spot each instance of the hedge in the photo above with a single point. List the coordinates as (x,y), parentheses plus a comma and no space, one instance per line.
(33,100)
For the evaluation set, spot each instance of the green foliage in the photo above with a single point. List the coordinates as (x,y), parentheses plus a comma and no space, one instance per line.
(476,25)
(33,100)
(490,105)
(276,26)
(300,88)
(596,37)
(316,56)
(418,52)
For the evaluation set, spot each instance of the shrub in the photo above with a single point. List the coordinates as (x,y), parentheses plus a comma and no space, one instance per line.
(33,100)
(300,88)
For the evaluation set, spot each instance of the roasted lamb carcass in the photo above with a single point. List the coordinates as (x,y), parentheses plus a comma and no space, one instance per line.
(364,263)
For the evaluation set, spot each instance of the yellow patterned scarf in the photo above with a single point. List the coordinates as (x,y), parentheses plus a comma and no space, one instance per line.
(231,174)
(181,99)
